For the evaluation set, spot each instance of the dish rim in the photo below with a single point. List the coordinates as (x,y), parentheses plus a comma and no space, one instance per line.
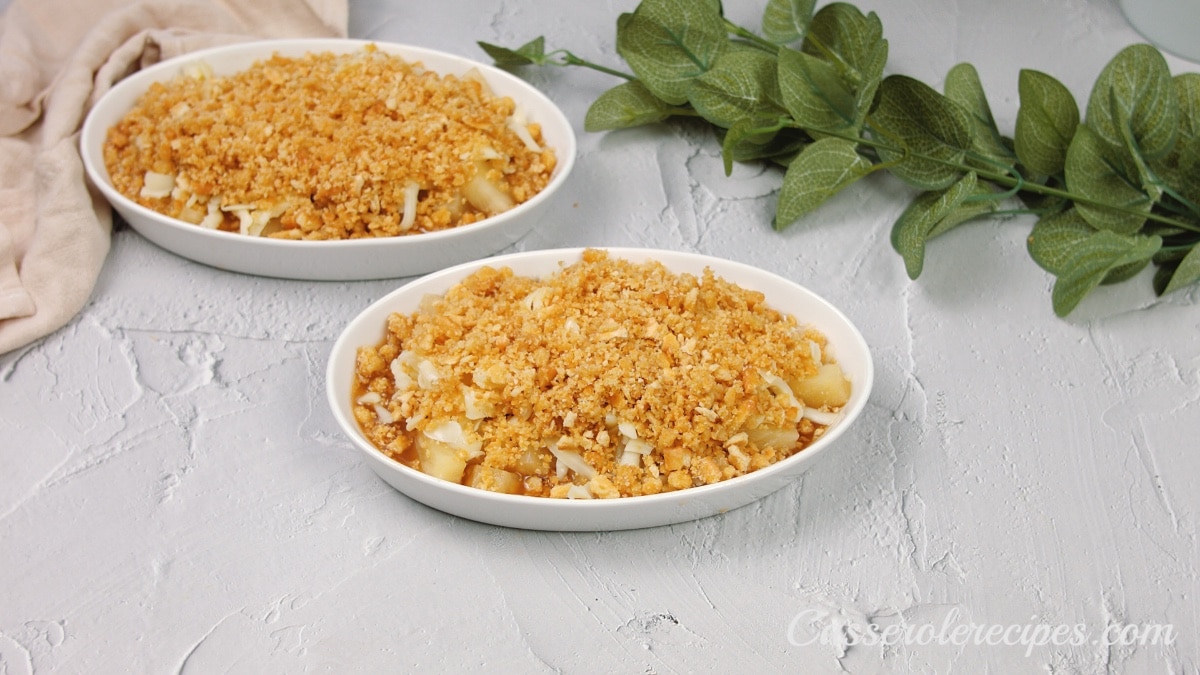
(343,412)
(92,136)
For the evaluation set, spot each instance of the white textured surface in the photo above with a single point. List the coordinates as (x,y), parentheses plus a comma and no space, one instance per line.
(174,497)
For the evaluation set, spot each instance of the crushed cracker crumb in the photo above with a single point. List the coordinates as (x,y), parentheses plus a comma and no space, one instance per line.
(535,387)
(327,146)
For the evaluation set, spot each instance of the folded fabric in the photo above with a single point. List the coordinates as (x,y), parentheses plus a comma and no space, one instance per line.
(57,57)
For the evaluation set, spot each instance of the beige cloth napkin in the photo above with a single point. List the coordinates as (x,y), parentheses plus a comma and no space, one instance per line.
(57,57)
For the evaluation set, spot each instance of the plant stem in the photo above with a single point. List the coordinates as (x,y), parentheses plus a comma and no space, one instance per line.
(1179,247)
(844,69)
(1006,179)
(569,59)
(750,37)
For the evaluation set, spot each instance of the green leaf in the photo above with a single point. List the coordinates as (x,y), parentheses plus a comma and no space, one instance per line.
(629,104)
(1187,96)
(1134,98)
(744,142)
(982,201)
(1162,277)
(1082,257)
(819,172)
(841,34)
(1124,272)
(815,94)
(1042,204)
(1169,256)
(964,88)
(1133,107)
(1103,253)
(1186,273)
(749,139)
(852,44)
(787,21)
(1151,184)
(1046,122)
(741,84)
(1104,173)
(934,213)
(933,132)
(1168,261)
(1054,236)
(1180,169)
(1164,230)
(668,43)
(868,87)
(530,53)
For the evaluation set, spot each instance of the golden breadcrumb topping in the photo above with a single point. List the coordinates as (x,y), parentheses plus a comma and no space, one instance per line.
(327,146)
(607,378)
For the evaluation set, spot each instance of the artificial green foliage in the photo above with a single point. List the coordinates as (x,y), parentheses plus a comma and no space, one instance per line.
(1104,174)
(1046,123)
(787,21)
(669,43)
(629,104)
(1082,257)
(815,94)
(924,136)
(820,171)
(933,213)
(989,148)
(1115,187)
(742,85)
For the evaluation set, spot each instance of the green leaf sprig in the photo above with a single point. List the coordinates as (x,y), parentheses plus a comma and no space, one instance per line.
(1115,188)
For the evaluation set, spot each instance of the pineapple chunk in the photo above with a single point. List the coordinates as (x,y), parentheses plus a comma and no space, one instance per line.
(532,462)
(496,480)
(829,387)
(485,195)
(440,459)
(782,440)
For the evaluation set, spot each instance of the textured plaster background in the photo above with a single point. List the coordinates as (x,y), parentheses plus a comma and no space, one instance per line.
(175,496)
